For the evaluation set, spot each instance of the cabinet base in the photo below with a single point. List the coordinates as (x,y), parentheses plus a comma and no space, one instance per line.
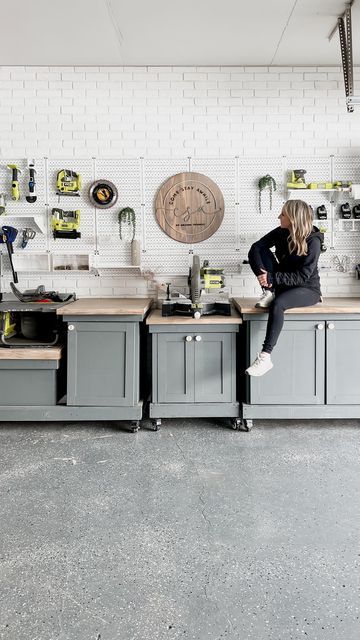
(65,413)
(283,412)
(208,410)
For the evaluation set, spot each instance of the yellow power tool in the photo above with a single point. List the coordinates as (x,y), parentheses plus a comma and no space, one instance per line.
(68,183)
(15,189)
(65,224)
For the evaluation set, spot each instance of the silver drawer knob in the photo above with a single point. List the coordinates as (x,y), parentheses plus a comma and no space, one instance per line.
(71,327)
(320,326)
(198,338)
(188,338)
(330,325)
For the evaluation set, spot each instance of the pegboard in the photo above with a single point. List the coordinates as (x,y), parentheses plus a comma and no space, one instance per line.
(87,242)
(160,252)
(126,175)
(138,181)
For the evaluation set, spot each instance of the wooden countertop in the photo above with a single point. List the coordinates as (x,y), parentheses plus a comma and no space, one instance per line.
(106,307)
(155,317)
(31,353)
(329,305)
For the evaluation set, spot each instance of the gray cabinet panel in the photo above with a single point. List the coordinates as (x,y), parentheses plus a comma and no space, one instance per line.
(343,362)
(175,368)
(298,376)
(214,370)
(103,364)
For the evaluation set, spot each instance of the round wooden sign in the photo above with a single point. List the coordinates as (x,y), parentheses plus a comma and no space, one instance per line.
(189,207)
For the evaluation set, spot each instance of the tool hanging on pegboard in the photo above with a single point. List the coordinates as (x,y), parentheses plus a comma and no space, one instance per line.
(27,234)
(2,204)
(31,197)
(7,237)
(65,224)
(15,189)
(345,36)
(68,183)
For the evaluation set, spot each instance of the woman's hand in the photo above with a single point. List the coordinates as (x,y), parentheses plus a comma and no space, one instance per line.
(263,279)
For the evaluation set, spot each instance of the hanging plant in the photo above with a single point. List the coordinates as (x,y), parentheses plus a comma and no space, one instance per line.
(127,216)
(266,182)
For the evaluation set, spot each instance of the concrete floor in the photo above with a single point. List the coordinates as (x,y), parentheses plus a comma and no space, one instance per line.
(194,532)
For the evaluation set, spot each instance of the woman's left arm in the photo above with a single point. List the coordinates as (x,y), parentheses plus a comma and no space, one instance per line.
(299,277)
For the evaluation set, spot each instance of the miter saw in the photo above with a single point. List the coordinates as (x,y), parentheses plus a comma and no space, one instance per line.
(207,295)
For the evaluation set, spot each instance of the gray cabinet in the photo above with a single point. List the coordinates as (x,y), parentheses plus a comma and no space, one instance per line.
(193,371)
(299,360)
(316,368)
(343,362)
(103,363)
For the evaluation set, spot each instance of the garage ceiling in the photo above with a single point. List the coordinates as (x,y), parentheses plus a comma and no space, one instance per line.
(161,32)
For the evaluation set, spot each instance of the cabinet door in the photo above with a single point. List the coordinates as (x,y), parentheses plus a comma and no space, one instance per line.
(215,356)
(298,376)
(343,362)
(175,368)
(103,368)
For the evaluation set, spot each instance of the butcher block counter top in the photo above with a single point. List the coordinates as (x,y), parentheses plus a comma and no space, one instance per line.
(51,353)
(327,306)
(106,307)
(155,317)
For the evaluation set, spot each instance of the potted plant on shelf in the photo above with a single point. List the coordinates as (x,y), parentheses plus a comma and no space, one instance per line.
(127,226)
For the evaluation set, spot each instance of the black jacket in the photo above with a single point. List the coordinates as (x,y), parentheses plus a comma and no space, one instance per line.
(292,270)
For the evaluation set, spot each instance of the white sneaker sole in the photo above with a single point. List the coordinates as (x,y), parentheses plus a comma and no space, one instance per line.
(256,373)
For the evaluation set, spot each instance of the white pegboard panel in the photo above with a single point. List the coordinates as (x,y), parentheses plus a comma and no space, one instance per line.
(221,246)
(87,242)
(21,214)
(252,224)
(126,175)
(160,252)
(318,169)
(138,181)
(347,168)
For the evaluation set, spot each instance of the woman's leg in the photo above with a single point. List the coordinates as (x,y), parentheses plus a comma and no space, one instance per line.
(262,259)
(295,297)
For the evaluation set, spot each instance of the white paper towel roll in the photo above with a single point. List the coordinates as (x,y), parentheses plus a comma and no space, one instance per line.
(355,191)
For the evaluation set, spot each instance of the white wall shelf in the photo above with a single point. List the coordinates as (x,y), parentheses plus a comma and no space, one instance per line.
(39,222)
(70,262)
(31,261)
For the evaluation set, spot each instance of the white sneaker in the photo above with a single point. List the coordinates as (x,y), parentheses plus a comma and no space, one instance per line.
(262,364)
(266,299)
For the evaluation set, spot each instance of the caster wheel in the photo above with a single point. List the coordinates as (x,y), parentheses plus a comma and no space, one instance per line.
(248,424)
(135,426)
(156,424)
(236,424)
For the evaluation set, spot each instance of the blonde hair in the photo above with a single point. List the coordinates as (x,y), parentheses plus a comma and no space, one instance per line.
(300,215)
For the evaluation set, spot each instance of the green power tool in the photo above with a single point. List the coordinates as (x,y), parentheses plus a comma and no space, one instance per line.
(15,189)
(68,183)
(65,224)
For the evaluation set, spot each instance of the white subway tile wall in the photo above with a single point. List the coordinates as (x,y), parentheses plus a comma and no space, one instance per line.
(175,112)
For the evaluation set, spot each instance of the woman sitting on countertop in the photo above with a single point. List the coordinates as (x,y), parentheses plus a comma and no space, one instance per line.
(290,278)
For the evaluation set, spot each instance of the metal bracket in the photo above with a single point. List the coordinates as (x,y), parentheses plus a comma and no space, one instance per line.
(345,36)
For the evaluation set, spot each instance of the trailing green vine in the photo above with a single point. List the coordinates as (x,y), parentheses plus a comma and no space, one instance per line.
(127,216)
(266,182)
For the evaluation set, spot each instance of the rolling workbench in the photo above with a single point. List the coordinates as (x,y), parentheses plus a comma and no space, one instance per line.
(102,373)
(194,367)
(316,369)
